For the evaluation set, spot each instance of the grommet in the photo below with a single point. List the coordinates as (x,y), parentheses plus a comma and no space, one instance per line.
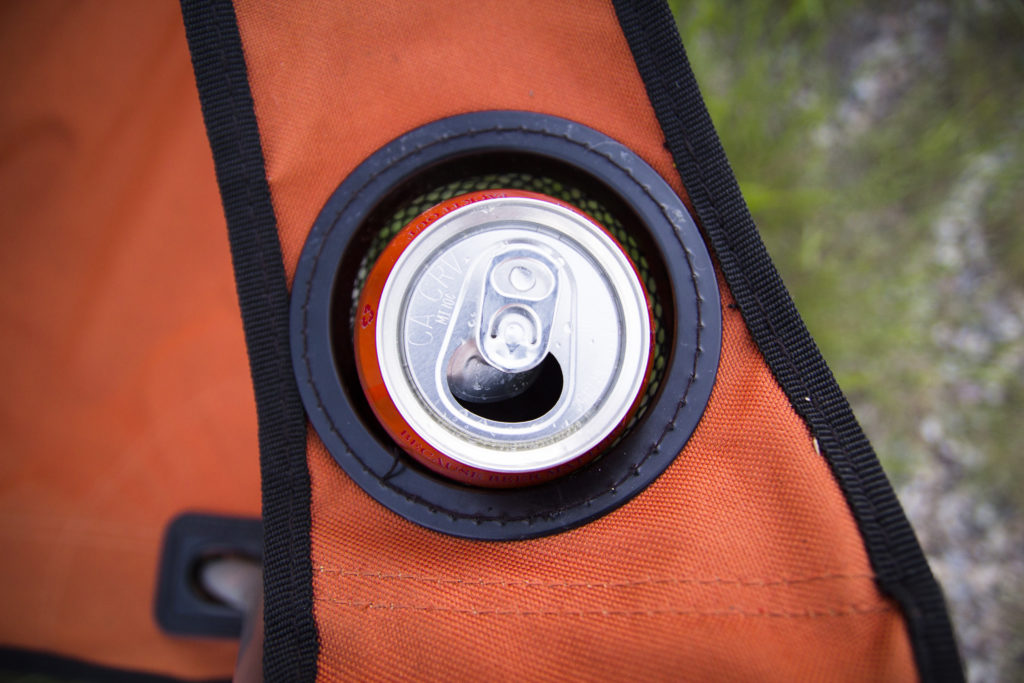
(181,607)
(598,231)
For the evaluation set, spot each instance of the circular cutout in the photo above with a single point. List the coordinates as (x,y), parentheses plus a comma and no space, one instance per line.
(484,151)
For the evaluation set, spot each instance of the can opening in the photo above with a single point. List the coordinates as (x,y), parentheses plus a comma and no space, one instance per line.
(532,399)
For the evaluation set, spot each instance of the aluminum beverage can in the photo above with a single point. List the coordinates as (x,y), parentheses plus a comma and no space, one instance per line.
(503,338)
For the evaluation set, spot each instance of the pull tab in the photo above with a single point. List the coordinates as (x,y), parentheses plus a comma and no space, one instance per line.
(517,308)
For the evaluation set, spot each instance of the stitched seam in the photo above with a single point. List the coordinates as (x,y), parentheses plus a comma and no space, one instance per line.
(711,581)
(853,468)
(633,469)
(282,366)
(741,272)
(843,611)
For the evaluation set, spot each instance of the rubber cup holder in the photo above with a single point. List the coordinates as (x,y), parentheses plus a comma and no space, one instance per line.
(523,152)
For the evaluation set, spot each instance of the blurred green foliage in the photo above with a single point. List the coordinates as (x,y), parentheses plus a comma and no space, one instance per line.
(850,129)
(880,147)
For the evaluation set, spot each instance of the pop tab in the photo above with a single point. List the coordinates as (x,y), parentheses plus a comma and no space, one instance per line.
(517,305)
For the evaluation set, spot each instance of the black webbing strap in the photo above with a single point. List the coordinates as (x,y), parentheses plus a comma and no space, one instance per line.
(780,334)
(32,665)
(290,640)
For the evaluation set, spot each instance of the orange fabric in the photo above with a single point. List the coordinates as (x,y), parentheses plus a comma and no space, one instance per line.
(742,561)
(127,397)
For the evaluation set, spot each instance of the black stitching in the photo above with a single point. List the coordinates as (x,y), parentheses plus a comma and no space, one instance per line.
(634,469)
(813,405)
(901,568)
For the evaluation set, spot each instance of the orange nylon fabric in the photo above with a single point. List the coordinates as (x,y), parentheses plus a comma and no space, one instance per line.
(742,561)
(127,397)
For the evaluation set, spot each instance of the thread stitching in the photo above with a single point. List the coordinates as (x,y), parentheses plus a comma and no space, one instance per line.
(710,581)
(844,611)
(634,469)
(812,400)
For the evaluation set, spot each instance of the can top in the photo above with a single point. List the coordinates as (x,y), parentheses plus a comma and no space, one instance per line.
(506,330)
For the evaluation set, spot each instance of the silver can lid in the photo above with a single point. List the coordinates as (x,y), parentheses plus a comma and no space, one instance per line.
(505,332)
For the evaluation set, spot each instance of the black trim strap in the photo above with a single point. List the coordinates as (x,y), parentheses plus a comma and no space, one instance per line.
(34,665)
(290,636)
(901,568)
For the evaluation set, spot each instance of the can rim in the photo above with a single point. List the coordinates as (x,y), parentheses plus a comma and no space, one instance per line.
(389,394)
(461,147)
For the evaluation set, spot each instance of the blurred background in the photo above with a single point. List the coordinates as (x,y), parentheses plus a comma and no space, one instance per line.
(881,150)
(880,146)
